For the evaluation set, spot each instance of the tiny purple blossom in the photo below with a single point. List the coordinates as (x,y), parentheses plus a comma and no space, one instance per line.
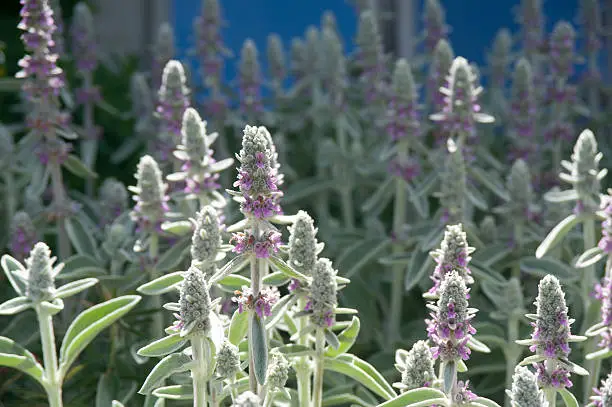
(262,305)
(603,292)
(605,243)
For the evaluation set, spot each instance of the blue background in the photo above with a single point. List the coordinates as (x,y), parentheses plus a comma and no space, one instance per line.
(473,22)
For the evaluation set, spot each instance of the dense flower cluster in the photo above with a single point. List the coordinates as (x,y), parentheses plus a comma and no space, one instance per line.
(262,305)
(417,367)
(450,326)
(525,391)
(249,81)
(228,360)
(206,238)
(603,395)
(150,195)
(371,57)
(23,235)
(453,255)
(434,25)
(605,243)
(603,292)
(523,118)
(41,274)
(323,294)
(194,303)
(267,244)
(209,45)
(453,186)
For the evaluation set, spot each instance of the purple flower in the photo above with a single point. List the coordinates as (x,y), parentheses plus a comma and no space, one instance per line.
(603,395)
(531,20)
(402,114)
(434,25)
(558,378)
(84,49)
(603,292)
(262,305)
(209,46)
(263,248)
(605,243)
(450,326)
(23,236)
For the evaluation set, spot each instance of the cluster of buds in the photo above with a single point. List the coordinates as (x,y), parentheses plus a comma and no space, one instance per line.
(113,198)
(23,235)
(249,81)
(323,294)
(531,20)
(519,207)
(195,307)
(262,305)
(434,25)
(228,360)
(263,246)
(605,243)
(562,53)
(584,173)
(206,240)
(551,336)
(41,274)
(163,52)
(603,395)
(43,77)
(247,399)
(333,69)
(276,61)
(209,46)
(278,371)
(416,367)
(85,52)
(523,108)
(303,245)
(603,292)
(461,110)
(525,391)
(199,170)
(450,328)
(150,195)
(371,57)
(172,103)
(500,57)
(452,256)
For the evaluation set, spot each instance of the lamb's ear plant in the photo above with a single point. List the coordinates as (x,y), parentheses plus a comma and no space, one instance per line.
(34,283)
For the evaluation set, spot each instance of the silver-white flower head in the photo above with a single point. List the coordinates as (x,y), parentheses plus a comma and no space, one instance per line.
(150,189)
(584,173)
(323,294)
(417,368)
(520,190)
(276,58)
(552,325)
(453,291)
(441,61)
(228,360)
(194,303)
(402,83)
(369,40)
(278,371)
(605,392)
(115,238)
(206,238)
(525,391)
(247,399)
(249,68)
(274,164)
(453,254)
(174,83)
(113,199)
(500,57)
(41,280)
(194,139)
(303,245)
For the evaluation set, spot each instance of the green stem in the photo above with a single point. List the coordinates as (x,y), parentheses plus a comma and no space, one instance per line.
(587,283)
(269,399)
(317,397)
(199,373)
(347,188)
(89,146)
(302,367)
(513,351)
(397,289)
(551,397)
(255,287)
(53,380)
(158,317)
(233,391)
(518,238)
(59,202)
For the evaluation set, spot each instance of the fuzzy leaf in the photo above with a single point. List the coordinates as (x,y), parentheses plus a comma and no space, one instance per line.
(276,279)
(163,346)
(289,271)
(485,402)
(233,282)
(344,399)
(81,237)
(561,196)
(548,265)
(590,257)
(15,305)
(173,256)
(178,228)
(420,264)
(278,310)
(78,168)
(491,183)
(307,187)
(296,350)
(90,323)
(10,265)
(449,375)
(478,346)
(557,234)
(68,290)
(531,359)
(568,398)
(331,339)
(350,369)
(14,355)
(233,266)
(259,341)
(600,354)
(346,338)
(417,397)
(174,363)
(161,285)
(380,197)
(176,392)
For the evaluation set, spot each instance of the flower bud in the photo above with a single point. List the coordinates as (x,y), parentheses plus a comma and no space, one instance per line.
(453,255)
(150,193)
(441,62)
(333,68)
(418,368)
(206,239)
(276,58)
(488,229)
(525,391)
(453,186)
(194,303)
(247,399)
(23,235)
(562,43)
(303,245)
(278,371)
(603,395)
(500,58)
(41,280)
(113,198)
(323,294)
(370,56)
(250,79)
(402,113)
(434,23)
(163,51)
(523,107)
(520,204)
(228,360)
(83,38)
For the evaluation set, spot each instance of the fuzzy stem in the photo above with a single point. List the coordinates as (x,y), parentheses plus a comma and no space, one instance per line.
(255,287)
(10,194)
(59,202)
(301,366)
(518,239)
(89,147)
(268,400)
(347,187)
(53,380)
(200,356)
(551,397)
(158,318)
(233,391)
(317,396)
(512,351)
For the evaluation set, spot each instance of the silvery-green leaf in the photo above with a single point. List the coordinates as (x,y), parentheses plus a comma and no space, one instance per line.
(343,399)
(492,183)
(276,279)
(461,367)
(540,267)
(163,346)
(306,187)
(294,350)
(53,307)
(491,254)
(589,257)
(350,369)
(422,397)
(449,375)
(278,309)
(15,356)
(568,398)
(221,165)
(259,352)
(331,339)
(178,228)
(557,196)
(172,257)
(478,346)
(239,327)
(233,282)
(173,363)
(78,168)
(532,359)
(485,402)
(379,199)
(233,266)
(116,403)
(600,354)
(163,284)
(420,264)
(11,267)
(80,237)
(15,305)
(75,287)
(476,198)
(305,331)
(346,339)
(596,329)
(175,392)
(280,265)
(396,258)
(558,233)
